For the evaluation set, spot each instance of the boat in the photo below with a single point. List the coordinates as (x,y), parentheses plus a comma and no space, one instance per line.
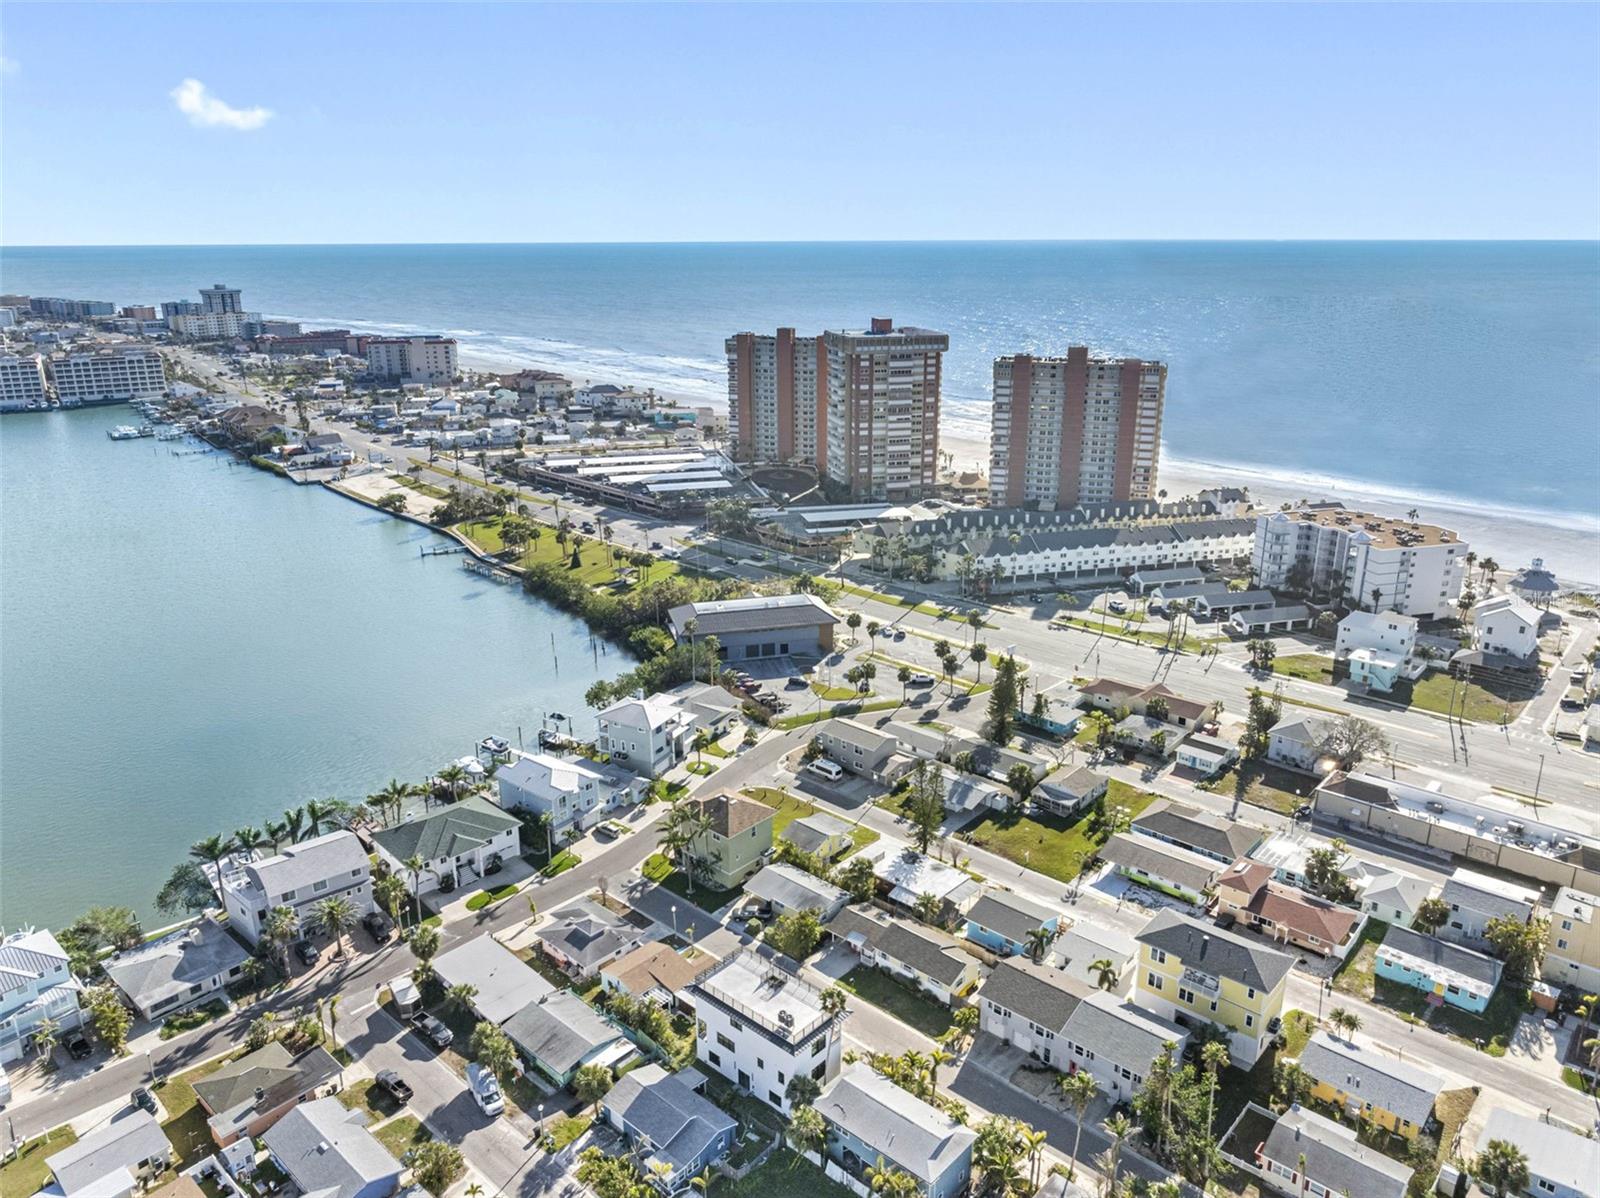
(123,432)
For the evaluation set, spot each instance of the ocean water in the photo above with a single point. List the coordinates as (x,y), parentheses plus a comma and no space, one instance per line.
(189,646)
(1468,373)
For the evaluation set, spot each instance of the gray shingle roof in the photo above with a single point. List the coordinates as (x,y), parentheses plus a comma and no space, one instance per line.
(1334,1157)
(680,1123)
(168,967)
(920,1139)
(302,865)
(458,828)
(587,934)
(1561,1157)
(794,889)
(560,1031)
(230,1093)
(1121,1033)
(1212,950)
(120,1144)
(1199,830)
(328,1150)
(931,953)
(1443,954)
(810,833)
(1473,892)
(1046,996)
(1010,915)
(1371,1076)
(1157,859)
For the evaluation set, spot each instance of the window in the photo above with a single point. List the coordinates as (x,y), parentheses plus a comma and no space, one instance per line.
(819,1045)
(1561,943)
(713,1058)
(1547,1186)
(1249,1021)
(760,1064)
(319,886)
(1185,994)
(724,1041)
(1159,955)
(775,1098)
(1153,980)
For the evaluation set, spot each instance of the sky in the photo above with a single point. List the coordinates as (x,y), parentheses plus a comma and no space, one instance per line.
(283,123)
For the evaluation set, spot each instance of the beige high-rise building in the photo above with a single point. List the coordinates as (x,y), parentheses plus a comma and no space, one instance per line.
(881,421)
(777,398)
(1075,430)
(412,359)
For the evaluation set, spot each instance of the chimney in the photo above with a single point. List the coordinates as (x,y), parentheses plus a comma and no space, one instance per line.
(882,324)
(260,1093)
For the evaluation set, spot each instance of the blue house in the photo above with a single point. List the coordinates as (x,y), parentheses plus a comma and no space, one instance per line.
(679,1131)
(872,1120)
(1007,924)
(1456,975)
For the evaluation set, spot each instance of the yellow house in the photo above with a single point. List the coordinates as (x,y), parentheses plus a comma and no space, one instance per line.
(1195,973)
(1371,1085)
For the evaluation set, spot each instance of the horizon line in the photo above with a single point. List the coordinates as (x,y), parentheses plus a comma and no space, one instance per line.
(154,245)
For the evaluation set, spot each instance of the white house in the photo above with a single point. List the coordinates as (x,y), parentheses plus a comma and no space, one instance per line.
(1506,624)
(1028,1005)
(1379,648)
(1296,742)
(1115,1043)
(36,984)
(184,969)
(456,843)
(573,791)
(334,865)
(112,1160)
(649,736)
(1561,1163)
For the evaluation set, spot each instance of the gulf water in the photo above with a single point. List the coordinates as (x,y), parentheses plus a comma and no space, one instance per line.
(189,646)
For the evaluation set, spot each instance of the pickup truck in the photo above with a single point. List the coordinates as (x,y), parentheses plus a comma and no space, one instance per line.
(392,1084)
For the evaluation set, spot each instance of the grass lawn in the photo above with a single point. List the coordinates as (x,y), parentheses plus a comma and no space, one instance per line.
(1494,1027)
(1263,785)
(927,1015)
(1191,644)
(704,768)
(716,750)
(484,897)
(1311,667)
(186,1118)
(1236,1087)
(1357,974)
(596,570)
(364,1095)
(26,1175)
(662,872)
(784,1174)
(926,609)
(568,1128)
(422,488)
(1432,692)
(790,809)
(564,861)
(838,709)
(1051,844)
(402,1134)
(834,694)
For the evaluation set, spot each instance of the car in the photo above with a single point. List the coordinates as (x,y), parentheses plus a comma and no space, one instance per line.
(1303,811)
(485,1089)
(587,526)
(392,1084)
(1274,1025)
(77,1045)
(378,925)
(794,684)
(920,679)
(655,545)
(493,865)
(1118,606)
(308,953)
(432,1030)
(899,634)
(144,1100)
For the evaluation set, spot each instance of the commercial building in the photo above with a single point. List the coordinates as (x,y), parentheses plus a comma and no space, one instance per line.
(330,866)
(1074,430)
(412,359)
(763,1026)
(874,1124)
(108,376)
(882,416)
(1327,550)
(777,398)
(762,626)
(217,298)
(22,383)
(654,480)
(53,308)
(37,985)
(1572,947)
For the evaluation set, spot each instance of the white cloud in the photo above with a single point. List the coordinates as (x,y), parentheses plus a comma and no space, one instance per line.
(206,111)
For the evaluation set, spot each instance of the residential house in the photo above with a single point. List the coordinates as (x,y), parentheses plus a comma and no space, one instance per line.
(1507,626)
(1393,895)
(1474,899)
(1194,973)
(1150,699)
(761,1025)
(908,875)
(583,936)
(1457,975)
(819,834)
(1561,1163)
(1247,892)
(327,1152)
(870,752)
(333,865)
(180,970)
(1085,944)
(36,984)
(735,838)
(785,889)
(1371,1085)
(1165,867)
(1008,924)
(874,1124)
(248,1095)
(709,706)
(1068,792)
(574,792)
(1206,755)
(457,843)
(1289,854)
(1391,634)
(972,792)
(648,736)
(1307,1156)
(1116,1043)
(1027,1005)
(501,981)
(1296,743)
(929,959)
(112,1160)
(653,971)
(1572,948)
(1197,831)
(675,1132)
(1147,734)
(560,1034)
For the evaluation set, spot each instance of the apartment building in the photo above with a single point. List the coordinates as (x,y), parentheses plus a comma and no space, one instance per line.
(36,984)
(1075,430)
(881,423)
(108,376)
(412,359)
(217,298)
(215,326)
(1328,551)
(55,308)
(21,383)
(1572,946)
(777,398)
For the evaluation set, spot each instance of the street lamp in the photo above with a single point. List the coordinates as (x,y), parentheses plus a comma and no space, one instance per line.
(674,919)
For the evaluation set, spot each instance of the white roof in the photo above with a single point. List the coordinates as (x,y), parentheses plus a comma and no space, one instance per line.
(1554,1153)
(503,983)
(547,774)
(1513,605)
(914,874)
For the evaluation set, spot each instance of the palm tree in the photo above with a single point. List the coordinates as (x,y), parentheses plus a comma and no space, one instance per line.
(414,866)
(1105,973)
(390,891)
(213,849)
(1119,1127)
(1033,1143)
(317,814)
(278,832)
(295,821)
(1079,1089)
(974,621)
(279,930)
(392,799)
(335,916)
(1039,942)
(928,907)
(43,1036)
(1503,1167)
(832,1001)
(904,675)
(459,997)
(1213,1059)
(249,838)
(453,777)
(936,1058)
(979,654)
(253,972)
(702,1181)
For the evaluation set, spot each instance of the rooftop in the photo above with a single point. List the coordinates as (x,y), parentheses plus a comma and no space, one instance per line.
(1334,1157)
(932,953)
(171,966)
(794,889)
(1364,1072)
(328,1150)
(459,828)
(763,991)
(1121,1032)
(560,1031)
(1197,829)
(732,814)
(1200,946)
(911,874)
(1158,859)
(302,865)
(653,966)
(1381,531)
(661,1106)
(1010,915)
(120,1144)
(811,833)
(586,933)
(921,1139)
(1442,960)
(1046,996)
(1561,1157)
(504,984)
(758,613)
(262,1081)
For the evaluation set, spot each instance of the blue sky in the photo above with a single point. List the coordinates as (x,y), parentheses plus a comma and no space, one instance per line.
(233,123)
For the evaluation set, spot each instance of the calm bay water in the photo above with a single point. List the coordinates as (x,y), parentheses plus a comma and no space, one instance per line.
(188,646)
(1466,373)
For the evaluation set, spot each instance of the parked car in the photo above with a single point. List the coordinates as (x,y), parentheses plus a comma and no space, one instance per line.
(794,684)
(392,1084)
(1118,606)
(77,1045)
(485,1089)
(144,1100)
(920,680)
(587,526)
(655,544)
(307,952)
(432,1030)
(378,926)
(493,865)
(1303,811)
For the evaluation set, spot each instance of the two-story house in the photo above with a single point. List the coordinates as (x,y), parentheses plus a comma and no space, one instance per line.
(330,866)
(733,838)
(36,984)
(456,844)
(1371,1085)
(575,792)
(1474,899)
(874,1124)
(869,752)
(1195,973)
(1311,1157)
(1572,948)
(648,736)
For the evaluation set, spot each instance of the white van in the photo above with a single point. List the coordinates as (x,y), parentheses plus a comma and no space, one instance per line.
(485,1089)
(823,768)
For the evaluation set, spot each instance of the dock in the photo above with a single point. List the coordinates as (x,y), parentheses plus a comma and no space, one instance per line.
(440,550)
